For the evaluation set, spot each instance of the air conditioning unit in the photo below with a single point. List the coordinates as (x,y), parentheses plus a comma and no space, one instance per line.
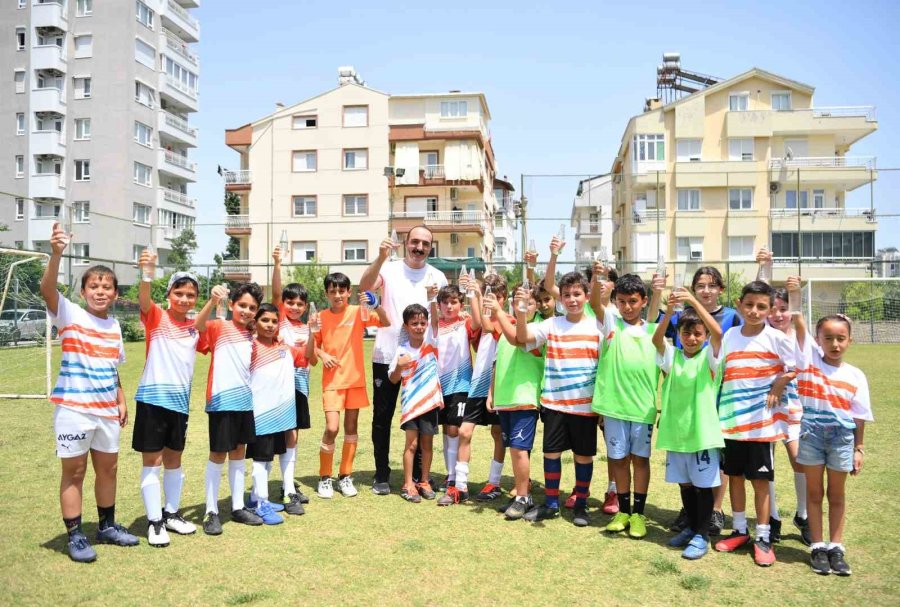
(696,252)
(454,193)
(774,187)
(454,238)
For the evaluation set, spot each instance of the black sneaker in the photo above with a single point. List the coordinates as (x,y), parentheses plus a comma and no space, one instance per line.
(681,521)
(381,488)
(245,516)
(212,525)
(304,499)
(803,525)
(774,530)
(294,505)
(818,560)
(838,565)
(716,523)
(502,509)
(541,513)
(580,517)
(517,509)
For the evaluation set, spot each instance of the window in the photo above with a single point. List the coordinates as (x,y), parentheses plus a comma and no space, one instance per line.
(828,245)
(740,199)
(82,87)
(790,199)
(739,102)
(688,200)
(20,123)
(141,214)
(304,206)
(82,252)
(49,37)
(186,79)
(741,248)
(22,3)
(84,46)
(46,210)
(304,161)
(81,212)
(355,250)
(143,174)
(304,122)
(144,53)
(49,122)
(20,209)
(688,150)
(818,199)
(20,166)
(356,204)
(144,95)
(144,14)
(303,252)
(136,251)
(740,148)
(356,115)
(689,249)
(84,8)
(454,109)
(142,133)
(20,38)
(356,160)
(82,170)
(48,166)
(19,79)
(82,128)
(781,101)
(649,147)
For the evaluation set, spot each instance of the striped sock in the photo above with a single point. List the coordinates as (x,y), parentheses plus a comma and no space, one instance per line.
(552,473)
(583,473)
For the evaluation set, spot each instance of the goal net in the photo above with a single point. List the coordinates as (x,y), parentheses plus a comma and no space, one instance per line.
(873,305)
(25,330)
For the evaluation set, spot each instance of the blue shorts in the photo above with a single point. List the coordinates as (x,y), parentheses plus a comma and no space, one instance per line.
(626,438)
(701,469)
(831,446)
(518,428)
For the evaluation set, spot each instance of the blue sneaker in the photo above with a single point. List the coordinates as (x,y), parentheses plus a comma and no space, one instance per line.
(80,550)
(267,513)
(682,538)
(253,505)
(696,549)
(118,535)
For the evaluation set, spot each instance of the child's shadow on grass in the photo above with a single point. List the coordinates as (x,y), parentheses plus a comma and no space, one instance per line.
(60,543)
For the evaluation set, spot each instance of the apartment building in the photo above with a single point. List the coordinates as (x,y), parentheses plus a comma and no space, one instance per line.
(887,263)
(746,162)
(507,245)
(100,94)
(592,217)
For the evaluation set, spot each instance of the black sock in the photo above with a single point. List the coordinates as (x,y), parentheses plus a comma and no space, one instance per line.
(640,499)
(705,500)
(689,502)
(107,516)
(73,524)
(624,502)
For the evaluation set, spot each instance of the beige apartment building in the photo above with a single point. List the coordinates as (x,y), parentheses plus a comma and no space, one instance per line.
(746,162)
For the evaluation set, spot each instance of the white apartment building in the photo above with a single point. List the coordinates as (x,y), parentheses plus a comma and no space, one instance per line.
(592,217)
(100,95)
(506,226)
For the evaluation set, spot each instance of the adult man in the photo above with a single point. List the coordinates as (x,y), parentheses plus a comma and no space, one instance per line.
(402,282)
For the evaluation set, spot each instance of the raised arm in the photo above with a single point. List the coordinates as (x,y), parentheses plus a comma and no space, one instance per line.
(763,257)
(715,331)
(218,293)
(475,308)
(507,328)
(530,262)
(147,260)
(369,279)
(276,277)
(434,315)
(657,284)
(598,291)
(659,335)
(550,274)
(58,241)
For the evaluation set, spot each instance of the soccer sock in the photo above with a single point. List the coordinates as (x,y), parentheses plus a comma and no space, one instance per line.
(326,460)
(462,475)
(611,487)
(689,503)
(173,483)
(624,502)
(287,461)
(800,489)
(151,493)
(73,525)
(236,473)
(260,480)
(446,443)
(739,522)
(348,452)
(838,546)
(815,545)
(452,451)
(213,482)
(762,532)
(704,504)
(640,499)
(107,516)
(583,474)
(495,473)
(773,508)
(552,474)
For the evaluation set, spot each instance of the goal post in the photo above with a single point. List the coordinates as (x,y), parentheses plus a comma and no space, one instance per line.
(872,304)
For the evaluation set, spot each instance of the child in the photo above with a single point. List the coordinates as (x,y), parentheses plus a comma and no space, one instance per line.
(229,399)
(90,405)
(836,407)
(625,394)
(339,333)
(455,337)
(274,409)
(759,363)
(292,302)
(573,348)
(420,395)
(163,399)
(689,424)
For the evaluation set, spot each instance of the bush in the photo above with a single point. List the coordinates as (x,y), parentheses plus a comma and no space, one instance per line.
(132,330)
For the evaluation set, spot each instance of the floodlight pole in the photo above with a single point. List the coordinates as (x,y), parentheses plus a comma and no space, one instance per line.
(523,204)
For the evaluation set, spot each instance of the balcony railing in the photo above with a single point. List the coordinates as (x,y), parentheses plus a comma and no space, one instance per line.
(865,111)
(179,46)
(236,266)
(237,177)
(589,227)
(647,216)
(237,221)
(179,85)
(434,171)
(181,161)
(445,217)
(179,123)
(869,214)
(854,162)
(183,14)
(178,198)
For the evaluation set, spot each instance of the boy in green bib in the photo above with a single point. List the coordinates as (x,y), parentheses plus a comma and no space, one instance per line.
(689,426)
(625,394)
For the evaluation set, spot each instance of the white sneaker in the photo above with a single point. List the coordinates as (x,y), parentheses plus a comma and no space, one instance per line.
(325,490)
(346,487)
(157,536)
(175,522)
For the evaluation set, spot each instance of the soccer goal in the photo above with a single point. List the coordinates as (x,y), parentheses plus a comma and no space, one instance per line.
(25,329)
(873,305)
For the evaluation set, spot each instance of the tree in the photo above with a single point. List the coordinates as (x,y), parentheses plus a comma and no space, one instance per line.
(183,247)
(312,276)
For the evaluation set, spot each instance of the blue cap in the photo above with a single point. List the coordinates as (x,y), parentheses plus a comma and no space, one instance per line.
(181,276)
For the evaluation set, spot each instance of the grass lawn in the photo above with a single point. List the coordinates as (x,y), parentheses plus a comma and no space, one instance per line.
(371,550)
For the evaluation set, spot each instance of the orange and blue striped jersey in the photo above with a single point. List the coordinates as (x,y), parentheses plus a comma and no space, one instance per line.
(483,369)
(272,383)
(295,334)
(831,396)
(228,383)
(420,389)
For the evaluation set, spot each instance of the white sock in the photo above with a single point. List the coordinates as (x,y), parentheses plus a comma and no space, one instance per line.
(260,480)
(446,440)
(213,481)
(815,545)
(800,489)
(838,546)
(611,487)
(495,473)
(150,492)
(287,461)
(739,521)
(762,532)
(462,475)
(236,473)
(452,450)
(773,508)
(173,482)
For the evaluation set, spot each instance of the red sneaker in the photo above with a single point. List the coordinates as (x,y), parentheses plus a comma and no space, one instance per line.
(732,542)
(763,553)
(611,503)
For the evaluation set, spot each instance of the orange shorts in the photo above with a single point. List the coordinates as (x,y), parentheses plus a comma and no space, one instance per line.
(348,398)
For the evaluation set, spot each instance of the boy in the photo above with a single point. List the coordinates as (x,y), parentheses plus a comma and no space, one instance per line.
(570,366)
(90,405)
(759,363)
(339,333)
(625,394)
(163,398)
(229,399)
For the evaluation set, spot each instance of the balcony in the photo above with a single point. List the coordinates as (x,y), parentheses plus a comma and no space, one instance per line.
(237,225)
(434,175)
(443,221)
(49,143)
(236,181)
(176,165)
(585,228)
(173,197)
(236,269)
(179,21)
(48,100)
(48,57)
(848,123)
(645,216)
(718,174)
(179,92)
(49,13)
(845,172)
(47,185)
(169,42)
(177,128)
(823,219)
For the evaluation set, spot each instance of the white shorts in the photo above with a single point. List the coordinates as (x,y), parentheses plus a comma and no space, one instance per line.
(624,438)
(77,433)
(701,469)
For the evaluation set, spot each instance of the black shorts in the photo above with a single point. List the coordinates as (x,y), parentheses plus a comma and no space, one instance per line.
(750,459)
(157,427)
(264,447)
(426,424)
(564,431)
(477,412)
(228,429)
(454,409)
(302,402)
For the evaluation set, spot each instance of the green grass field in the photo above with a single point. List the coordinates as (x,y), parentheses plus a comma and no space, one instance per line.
(382,550)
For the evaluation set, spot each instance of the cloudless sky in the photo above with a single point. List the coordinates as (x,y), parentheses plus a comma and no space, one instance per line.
(561,78)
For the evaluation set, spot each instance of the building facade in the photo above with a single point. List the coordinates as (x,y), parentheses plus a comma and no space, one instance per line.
(507,245)
(101,98)
(887,263)
(592,217)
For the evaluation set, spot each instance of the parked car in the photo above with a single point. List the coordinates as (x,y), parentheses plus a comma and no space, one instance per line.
(23,325)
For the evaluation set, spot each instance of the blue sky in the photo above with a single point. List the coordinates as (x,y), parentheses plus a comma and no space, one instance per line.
(561,79)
